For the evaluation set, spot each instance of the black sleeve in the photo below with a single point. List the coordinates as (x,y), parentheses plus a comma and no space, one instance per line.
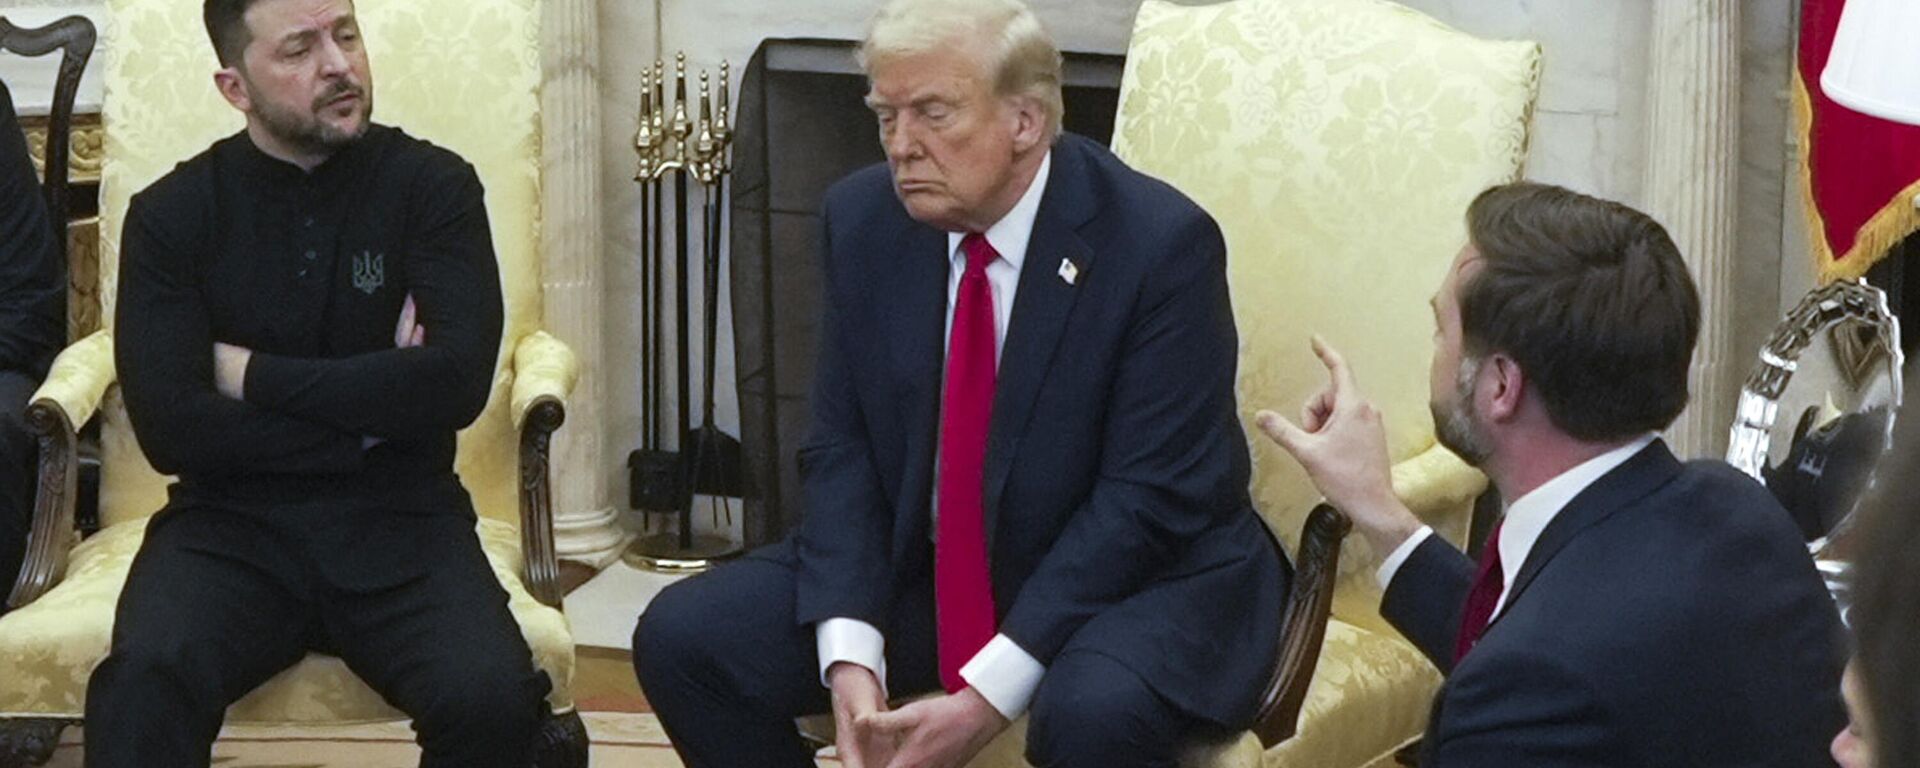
(163,348)
(33,289)
(417,391)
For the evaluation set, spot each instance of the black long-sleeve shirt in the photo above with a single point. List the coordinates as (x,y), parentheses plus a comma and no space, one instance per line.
(33,287)
(309,270)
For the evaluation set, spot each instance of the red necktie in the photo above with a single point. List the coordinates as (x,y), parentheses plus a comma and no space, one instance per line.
(1488,582)
(962,591)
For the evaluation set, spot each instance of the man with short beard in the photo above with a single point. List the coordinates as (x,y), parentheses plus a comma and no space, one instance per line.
(307,313)
(1628,609)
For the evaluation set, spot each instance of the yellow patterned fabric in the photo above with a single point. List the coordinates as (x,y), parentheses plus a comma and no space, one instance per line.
(49,647)
(464,74)
(1370,696)
(79,377)
(543,367)
(1337,144)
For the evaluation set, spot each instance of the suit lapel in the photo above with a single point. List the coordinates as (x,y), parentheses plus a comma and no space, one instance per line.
(1040,311)
(1649,469)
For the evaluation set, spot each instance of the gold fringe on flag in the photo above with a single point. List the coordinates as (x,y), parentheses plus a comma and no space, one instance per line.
(1897,219)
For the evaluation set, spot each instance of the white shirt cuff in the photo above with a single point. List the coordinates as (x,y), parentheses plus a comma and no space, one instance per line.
(1400,554)
(852,641)
(1005,675)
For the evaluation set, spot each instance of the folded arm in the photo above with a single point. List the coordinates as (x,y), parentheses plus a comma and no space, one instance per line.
(410,391)
(164,357)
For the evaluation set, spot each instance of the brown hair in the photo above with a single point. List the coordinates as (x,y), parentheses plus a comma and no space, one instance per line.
(227,28)
(1591,298)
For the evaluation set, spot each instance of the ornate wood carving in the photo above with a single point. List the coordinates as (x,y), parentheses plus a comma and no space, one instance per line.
(52,534)
(1305,623)
(87,147)
(30,741)
(536,499)
(83,277)
(74,38)
(562,743)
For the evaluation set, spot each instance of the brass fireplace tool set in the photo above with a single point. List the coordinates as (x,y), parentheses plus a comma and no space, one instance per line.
(677,150)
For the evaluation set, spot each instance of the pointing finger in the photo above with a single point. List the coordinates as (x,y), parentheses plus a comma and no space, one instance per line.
(1337,369)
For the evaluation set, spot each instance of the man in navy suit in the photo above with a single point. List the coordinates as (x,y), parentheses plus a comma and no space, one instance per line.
(1026,478)
(1628,610)
(33,300)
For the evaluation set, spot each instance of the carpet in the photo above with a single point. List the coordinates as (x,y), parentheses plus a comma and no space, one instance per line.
(620,740)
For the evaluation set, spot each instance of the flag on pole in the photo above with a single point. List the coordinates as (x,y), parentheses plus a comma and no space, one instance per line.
(1859,175)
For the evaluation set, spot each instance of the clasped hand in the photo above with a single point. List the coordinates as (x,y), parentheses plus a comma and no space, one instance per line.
(941,732)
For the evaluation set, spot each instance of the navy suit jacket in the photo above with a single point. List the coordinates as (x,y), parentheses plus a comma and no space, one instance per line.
(1668,616)
(1117,511)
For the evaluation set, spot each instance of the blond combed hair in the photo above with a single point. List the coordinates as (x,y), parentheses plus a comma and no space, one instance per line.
(1018,53)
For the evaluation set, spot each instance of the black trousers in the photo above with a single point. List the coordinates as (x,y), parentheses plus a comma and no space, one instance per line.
(220,598)
(727,670)
(18,452)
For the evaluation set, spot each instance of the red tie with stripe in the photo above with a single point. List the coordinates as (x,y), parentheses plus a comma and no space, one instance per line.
(963,593)
(1488,582)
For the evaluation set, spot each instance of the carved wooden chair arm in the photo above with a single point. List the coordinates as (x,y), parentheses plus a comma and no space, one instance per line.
(69,397)
(545,370)
(1305,627)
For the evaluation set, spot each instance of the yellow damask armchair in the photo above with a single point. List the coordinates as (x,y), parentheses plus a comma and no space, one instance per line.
(462,73)
(1338,144)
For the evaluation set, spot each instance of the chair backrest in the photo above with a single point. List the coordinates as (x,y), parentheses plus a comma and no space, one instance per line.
(73,37)
(464,74)
(1337,144)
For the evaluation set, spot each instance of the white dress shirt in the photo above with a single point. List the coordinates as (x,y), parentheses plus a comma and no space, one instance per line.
(1002,672)
(1526,517)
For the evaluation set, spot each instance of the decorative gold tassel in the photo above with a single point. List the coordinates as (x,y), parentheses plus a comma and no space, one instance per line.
(1876,238)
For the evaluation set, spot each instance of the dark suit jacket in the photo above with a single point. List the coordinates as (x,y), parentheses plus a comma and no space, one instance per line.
(1668,616)
(33,282)
(1116,479)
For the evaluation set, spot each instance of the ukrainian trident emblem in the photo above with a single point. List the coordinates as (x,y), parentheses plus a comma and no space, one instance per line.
(369,271)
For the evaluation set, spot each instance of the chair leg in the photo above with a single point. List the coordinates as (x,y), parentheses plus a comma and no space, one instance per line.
(29,740)
(562,743)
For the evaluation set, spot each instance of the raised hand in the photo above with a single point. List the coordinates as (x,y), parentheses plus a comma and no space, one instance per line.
(1342,444)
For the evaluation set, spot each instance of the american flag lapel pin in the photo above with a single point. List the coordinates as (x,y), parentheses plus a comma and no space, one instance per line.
(1069,272)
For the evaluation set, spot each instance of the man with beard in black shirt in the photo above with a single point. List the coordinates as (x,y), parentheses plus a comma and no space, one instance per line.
(33,293)
(307,313)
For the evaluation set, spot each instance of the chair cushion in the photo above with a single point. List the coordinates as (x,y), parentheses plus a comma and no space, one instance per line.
(49,648)
(1370,696)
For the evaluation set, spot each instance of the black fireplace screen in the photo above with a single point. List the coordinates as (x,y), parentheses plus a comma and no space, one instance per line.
(802,124)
